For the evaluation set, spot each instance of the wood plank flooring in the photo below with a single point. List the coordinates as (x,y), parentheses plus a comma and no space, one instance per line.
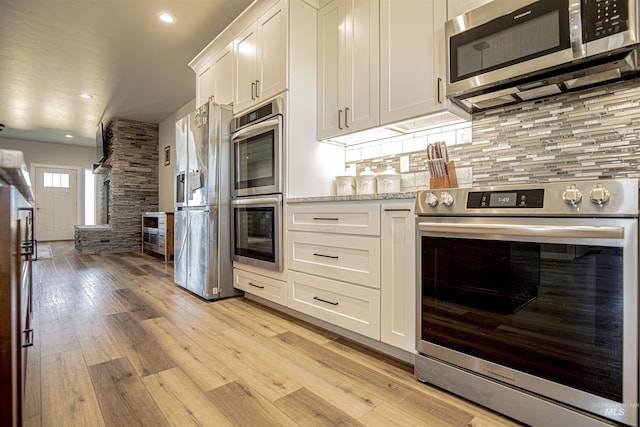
(117,343)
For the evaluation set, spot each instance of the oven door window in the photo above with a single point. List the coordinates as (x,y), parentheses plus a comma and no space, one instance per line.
(254,233)
(551,310)
(255,161)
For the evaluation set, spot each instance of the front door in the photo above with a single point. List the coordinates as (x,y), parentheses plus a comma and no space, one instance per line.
(56,203)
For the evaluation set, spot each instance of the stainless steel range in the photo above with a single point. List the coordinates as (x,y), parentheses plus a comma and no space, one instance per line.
(527,299)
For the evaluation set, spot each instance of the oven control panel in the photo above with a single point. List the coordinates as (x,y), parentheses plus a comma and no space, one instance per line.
(506,199)
(594,198)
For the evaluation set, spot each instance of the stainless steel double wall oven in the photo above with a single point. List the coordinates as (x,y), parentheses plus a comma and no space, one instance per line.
(257,138)
(527,299)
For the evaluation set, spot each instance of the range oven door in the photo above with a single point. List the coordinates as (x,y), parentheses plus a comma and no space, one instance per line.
(257,151)
(257,231)
(545,305)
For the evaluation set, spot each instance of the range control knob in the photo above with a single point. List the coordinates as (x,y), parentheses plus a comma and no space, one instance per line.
(599,195)
(432,200)
(572,195)
(446,199)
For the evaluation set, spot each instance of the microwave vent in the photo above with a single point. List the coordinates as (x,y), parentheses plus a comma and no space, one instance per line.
(539,92)
(602,77)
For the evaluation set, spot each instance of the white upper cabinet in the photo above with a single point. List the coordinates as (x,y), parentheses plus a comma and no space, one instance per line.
(214,79)
(458,7)
(204,83)
(223,76)
(412,58)
(260,54)
(348,67)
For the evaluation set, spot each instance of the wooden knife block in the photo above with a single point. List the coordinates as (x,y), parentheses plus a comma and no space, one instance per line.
(450,180)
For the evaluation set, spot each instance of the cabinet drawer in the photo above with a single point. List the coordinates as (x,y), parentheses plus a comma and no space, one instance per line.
(264,287)
(348,218)
(353,259)
(349,306)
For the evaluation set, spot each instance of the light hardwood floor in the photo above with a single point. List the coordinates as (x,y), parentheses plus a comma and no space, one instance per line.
(117,343)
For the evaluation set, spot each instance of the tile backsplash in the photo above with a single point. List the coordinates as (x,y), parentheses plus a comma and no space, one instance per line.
(593,133)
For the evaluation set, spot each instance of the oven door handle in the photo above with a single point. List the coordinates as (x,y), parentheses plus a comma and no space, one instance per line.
(255,129)
(256,201)
(576,231)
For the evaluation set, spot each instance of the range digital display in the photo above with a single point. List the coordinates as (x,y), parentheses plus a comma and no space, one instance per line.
(498,200)
(506,199)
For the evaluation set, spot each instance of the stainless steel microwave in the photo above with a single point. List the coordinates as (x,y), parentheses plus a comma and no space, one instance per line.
(516,50)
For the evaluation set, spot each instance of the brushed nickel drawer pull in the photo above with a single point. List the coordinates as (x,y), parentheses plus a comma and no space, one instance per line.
(327,256)
(256,286)
(326,219)
(324,300)
(397,210)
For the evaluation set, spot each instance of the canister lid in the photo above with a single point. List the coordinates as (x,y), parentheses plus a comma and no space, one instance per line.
(389,171)
(367,172)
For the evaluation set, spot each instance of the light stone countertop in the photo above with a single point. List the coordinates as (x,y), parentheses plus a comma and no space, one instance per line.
(355,197)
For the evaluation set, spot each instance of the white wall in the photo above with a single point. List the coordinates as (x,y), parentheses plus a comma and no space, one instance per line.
(48,153)
(166,174)
(51,153)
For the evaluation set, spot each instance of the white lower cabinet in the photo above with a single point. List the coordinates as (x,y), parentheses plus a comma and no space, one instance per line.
(398,275)
(352,264)
(349,306)
(261,286)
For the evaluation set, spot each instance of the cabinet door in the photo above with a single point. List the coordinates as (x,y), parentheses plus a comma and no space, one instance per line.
(330,65)
(397,289)
(362,64)
(205,83)
(271,53)
(348,67)
(223,76)
(412,58)
(244,49)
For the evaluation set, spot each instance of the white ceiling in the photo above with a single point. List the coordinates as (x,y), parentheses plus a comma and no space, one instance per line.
(118,51)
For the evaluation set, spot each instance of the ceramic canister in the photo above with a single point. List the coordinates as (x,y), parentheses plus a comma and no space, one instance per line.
(389,181)
(366,182)
(345,185)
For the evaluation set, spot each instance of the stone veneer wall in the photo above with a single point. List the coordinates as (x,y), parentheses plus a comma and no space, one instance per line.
(133,176)
(593,133)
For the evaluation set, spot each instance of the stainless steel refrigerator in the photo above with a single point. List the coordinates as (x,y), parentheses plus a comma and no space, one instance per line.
(202,259)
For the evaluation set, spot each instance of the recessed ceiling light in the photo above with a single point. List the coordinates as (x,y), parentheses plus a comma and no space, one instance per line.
(68,136)
(85,96)
(168,18)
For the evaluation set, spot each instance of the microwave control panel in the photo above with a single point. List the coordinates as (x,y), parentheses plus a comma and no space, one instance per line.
(602,18)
